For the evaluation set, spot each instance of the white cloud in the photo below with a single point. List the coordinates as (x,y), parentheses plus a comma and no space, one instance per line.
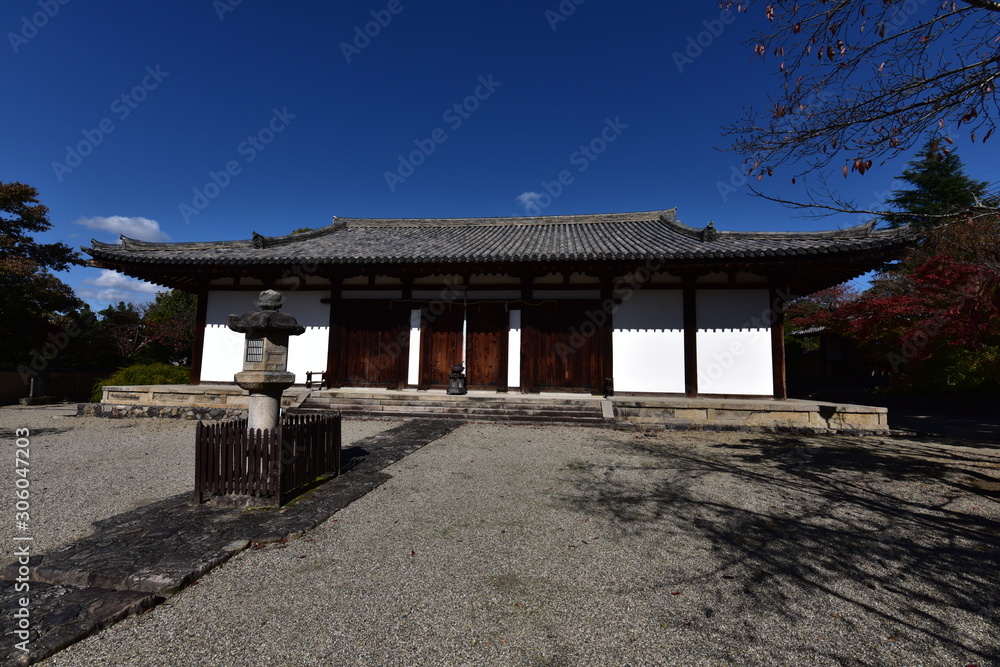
(114,287)
(529,200)
(99,298)
(143,229)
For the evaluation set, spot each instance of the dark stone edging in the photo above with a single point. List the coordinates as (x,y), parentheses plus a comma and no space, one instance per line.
(136,559)
(66,615)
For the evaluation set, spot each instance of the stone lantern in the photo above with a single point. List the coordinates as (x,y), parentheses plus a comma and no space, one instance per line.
(456,380)
(265,357)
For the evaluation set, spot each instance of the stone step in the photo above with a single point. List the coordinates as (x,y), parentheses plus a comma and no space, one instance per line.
(453,413)
(476,417)
(416,396)
(458,408)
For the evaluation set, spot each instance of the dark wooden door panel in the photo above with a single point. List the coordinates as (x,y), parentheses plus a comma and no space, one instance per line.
(372,345)
(486,334)
(562,349)
(440,344)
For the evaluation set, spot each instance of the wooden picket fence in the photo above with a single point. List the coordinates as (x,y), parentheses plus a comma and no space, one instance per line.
(272,465)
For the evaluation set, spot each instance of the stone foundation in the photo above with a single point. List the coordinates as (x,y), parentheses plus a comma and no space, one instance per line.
(644,413)
(788,416)
(157,411)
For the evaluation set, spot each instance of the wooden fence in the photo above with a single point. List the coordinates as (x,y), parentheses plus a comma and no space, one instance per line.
(232,460)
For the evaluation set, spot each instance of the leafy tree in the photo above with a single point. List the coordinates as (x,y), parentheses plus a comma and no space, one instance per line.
(942,336)
(933,318)
(121,327)
(157,332)
(170,324)
(30,295)
(819,309)
(861,82)
(89,348)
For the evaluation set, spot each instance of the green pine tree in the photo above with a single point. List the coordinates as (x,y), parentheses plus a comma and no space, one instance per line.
(941,189)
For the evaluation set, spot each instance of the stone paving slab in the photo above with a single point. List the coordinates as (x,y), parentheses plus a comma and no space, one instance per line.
(154,551)
(60,615)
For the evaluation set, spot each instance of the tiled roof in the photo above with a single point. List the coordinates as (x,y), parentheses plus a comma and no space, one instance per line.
(650,235)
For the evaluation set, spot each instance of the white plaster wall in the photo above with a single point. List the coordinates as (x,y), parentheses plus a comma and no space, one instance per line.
(734,342)
(647,342)
(413,360)
(514,351)
(222,356)
(223,352)
(308,352)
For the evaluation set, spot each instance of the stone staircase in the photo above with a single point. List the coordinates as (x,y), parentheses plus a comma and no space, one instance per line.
(488,407)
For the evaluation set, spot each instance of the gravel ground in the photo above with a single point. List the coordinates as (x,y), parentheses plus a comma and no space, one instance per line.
(550,546)
(87,468)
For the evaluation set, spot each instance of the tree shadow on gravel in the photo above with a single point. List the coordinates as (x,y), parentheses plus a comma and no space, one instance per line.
(904,531)
(352,457)
(45,431)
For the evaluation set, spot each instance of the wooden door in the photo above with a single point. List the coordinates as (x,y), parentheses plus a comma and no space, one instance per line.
(370,348)
(562,349)
(440,343)
(487,327)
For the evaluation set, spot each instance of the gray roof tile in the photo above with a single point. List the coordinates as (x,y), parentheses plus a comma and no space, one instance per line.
(650,235)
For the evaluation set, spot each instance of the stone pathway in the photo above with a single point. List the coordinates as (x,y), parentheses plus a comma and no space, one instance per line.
(132,561)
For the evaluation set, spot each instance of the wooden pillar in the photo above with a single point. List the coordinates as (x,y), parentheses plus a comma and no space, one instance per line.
(690,338)
(198,344)
(778,343)
(402,338)
(529,353)
(606,333)
(335,343)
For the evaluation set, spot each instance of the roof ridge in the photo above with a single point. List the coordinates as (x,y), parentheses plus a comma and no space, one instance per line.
(864,230)
(571,219)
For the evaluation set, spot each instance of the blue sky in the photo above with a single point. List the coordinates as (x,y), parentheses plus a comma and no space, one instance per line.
(212,119)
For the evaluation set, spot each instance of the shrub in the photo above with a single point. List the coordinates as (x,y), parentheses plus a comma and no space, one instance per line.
(158,373)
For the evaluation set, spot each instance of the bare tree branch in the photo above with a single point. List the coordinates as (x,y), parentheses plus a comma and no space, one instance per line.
(863,82)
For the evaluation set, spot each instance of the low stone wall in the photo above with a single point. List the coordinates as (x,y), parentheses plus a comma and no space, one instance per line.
(758,415)
(158,411)
(223,396)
